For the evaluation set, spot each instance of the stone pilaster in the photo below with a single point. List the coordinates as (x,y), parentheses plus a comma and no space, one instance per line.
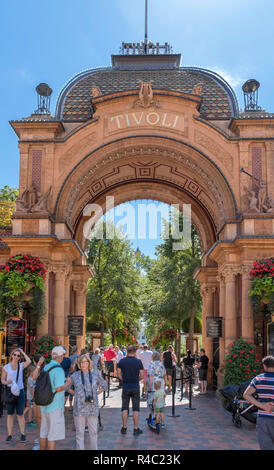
(207,343)
(61,273)
(42,329)
(80,287)
(229,273)
(247,314)
(221,281)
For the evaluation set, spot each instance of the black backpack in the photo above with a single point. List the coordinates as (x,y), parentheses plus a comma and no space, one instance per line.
(43,394)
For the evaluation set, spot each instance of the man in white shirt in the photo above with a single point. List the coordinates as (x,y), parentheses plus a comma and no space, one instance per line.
(119,357)
(119,354)
(146,358)
(139,351)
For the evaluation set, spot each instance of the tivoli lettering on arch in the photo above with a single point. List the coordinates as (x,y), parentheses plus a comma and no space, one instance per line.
(145,119)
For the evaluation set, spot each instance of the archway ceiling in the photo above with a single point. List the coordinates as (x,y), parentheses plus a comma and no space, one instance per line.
(151,160)
(152,190)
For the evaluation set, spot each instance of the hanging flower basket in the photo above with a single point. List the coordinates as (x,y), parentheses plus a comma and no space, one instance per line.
(22,283)
(123,336)
(164,337)
(262,288)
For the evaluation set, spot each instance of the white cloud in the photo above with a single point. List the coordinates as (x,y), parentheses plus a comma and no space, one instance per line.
(26,75)
(234,80)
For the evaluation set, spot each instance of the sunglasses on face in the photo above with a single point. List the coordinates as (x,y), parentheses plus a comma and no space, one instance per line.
(16,355)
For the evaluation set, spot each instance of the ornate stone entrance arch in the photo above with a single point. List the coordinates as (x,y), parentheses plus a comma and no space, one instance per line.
(152,167)
(147,128)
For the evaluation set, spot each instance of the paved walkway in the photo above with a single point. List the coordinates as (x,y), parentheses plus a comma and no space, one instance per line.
(209,427)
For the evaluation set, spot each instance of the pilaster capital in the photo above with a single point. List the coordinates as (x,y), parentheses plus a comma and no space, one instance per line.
(220,278)
(230,272)
(207,290)
(80,287)
(24,147)
(246,268)
(61,272)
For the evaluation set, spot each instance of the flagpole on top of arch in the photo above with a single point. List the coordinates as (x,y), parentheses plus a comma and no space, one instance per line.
(146,26)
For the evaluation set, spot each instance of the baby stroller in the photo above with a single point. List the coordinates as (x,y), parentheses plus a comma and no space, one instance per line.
(239,408)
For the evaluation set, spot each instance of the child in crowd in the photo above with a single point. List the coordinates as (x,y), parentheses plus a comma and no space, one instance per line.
(30,395)
(159,405)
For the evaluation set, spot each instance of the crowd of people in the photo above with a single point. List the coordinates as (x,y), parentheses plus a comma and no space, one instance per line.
(81,377)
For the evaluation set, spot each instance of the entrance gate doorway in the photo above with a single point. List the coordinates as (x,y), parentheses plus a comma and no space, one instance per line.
(146,128)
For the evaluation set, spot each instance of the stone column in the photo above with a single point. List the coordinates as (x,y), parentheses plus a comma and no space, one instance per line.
(247,314)
(42,329)
(229,274)
(59,304)
(222,314)
(220,371)
(207,344)
(67,307)
(80,288)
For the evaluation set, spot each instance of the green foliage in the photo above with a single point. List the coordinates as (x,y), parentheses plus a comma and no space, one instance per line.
(242,363)
(197,324)
(44,345)
(164,338)
(8,197)
(262,287)
(170,292)
(8,194)
(124,336)
(114,291)
(22,285)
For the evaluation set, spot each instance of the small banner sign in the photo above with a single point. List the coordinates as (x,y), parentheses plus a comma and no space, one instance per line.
(16,331)
(75,325)
(214,327)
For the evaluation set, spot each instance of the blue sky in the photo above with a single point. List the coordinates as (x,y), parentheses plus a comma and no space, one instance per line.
(52,40)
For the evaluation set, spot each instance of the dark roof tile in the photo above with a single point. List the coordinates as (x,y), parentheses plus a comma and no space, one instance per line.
(218,98)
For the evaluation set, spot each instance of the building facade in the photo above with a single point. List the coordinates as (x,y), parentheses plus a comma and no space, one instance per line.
(147,128)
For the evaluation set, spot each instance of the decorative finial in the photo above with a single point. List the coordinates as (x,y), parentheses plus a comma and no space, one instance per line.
(250,89)
(44,93)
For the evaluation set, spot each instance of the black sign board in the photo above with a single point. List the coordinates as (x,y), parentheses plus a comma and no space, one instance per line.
(214,327)
(271,339)
(75,325)
(16,329)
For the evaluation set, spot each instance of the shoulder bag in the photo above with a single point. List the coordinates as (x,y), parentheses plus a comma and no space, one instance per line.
(9,398)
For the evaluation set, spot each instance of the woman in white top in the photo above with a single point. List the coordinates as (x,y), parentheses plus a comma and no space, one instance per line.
(9,375)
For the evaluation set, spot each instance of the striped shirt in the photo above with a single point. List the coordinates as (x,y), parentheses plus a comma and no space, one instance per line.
(264,384)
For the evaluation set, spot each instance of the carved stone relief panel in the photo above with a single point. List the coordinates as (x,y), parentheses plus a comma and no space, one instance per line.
(214,148)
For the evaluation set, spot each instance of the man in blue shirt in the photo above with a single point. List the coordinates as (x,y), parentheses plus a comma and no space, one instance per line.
(130,372)
(52,415)
(263,385)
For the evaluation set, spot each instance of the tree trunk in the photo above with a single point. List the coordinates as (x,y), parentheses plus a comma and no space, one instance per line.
(102,331)
(178,346)
(191,328)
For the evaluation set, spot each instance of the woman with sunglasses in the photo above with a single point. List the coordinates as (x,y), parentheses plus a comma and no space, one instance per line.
(88,384)
(9,375)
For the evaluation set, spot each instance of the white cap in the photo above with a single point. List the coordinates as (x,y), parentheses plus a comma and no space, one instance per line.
(58,351)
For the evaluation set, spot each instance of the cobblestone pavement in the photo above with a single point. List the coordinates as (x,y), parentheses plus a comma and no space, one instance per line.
(208,427)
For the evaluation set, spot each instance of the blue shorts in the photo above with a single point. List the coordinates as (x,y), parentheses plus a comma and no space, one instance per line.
(19,406)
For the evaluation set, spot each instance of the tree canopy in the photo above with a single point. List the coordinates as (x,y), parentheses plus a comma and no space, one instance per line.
(113,299)
(8,197)
(171,295)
